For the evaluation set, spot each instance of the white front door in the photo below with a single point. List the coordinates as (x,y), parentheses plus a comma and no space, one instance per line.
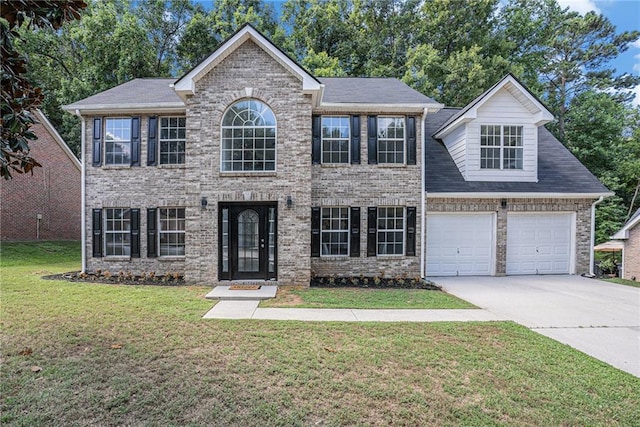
(460,244)
(540,243)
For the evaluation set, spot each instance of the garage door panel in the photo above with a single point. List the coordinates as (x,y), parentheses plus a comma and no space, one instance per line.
(460,244)
(539,243)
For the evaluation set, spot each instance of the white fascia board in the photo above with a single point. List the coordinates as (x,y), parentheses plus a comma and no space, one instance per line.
(623,233)
(465,118)
(186,85)
(433,195)
(371,108)
(541,117)
(163,107)
(56,136)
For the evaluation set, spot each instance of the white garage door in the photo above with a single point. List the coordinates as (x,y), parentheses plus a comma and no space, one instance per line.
(539,243)
(460,245)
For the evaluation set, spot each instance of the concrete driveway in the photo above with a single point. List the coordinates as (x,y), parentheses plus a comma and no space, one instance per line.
(599,318)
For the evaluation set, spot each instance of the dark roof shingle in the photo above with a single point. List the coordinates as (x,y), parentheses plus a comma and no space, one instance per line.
(136,91)
(370,90)
(558,170)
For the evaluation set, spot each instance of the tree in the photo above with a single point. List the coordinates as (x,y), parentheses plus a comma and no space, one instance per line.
(577,59)
(107,47)
(19,95)
(165,21)
(457,64)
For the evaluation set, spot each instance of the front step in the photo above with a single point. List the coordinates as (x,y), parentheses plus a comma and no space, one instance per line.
(222,292)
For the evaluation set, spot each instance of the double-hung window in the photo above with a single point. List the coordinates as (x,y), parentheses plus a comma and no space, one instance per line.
(172,140)
(390,231)
(335,231)
(500,147)
(391,140)
(171,230)
(117,232)
(335,139)
(117,140)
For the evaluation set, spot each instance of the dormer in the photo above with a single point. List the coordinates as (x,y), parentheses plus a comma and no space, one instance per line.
(495,137)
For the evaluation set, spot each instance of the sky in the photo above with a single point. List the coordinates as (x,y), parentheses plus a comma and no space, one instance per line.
(625,15)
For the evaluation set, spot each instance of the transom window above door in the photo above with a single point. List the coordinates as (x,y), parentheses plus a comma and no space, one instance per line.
(248,138)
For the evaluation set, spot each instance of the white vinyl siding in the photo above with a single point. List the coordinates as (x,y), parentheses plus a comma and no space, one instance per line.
(456,144)
(503,108)
(540,243)
(460,244)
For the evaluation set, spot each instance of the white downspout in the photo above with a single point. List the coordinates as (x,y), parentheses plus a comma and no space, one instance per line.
(423,211)
(83,221)
(593,235)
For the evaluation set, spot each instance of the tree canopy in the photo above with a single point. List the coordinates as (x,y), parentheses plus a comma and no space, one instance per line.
(450,50)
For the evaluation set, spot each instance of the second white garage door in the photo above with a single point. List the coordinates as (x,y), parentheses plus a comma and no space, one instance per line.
(460,244)
(539,243)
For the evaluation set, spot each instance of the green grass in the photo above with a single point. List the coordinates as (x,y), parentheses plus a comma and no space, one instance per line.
(142,355)
(364,298)
(623,282)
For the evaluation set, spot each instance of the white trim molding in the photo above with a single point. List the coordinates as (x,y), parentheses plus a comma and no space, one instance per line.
(500,195)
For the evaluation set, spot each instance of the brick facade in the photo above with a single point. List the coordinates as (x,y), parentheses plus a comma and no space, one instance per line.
(632,255)
(364,185)
(581,208)
(45,205)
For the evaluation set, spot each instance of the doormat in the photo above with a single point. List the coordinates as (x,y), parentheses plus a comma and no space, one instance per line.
(244,287)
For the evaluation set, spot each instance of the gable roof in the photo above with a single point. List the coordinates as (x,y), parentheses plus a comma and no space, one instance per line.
(623,233)
(136,94)
(515,87)
(185,85)
(44,121)
(559,172)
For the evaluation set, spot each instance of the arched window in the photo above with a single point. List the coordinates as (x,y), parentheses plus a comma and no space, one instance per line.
(249,137)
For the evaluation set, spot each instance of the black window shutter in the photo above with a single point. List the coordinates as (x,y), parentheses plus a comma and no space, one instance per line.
(372,231)
(152,233)
(411,140)
(316,140)
(411,231)
(96,240)
(315,231)
(372,139)
(135,141)
(97,142)
(135,233)
(152,141)
(355,140)
(355,232)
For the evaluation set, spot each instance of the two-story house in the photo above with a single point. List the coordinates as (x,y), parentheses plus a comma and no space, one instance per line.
(250,168)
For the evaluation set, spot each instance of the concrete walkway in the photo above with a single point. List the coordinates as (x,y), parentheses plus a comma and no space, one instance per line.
(599,318)
(233,309)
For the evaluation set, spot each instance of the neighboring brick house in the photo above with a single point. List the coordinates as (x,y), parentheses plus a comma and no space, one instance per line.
(250,168)
(45,205)
(629,234)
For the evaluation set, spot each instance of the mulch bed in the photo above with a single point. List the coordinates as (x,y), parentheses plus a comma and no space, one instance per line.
(373,282)
(120,278)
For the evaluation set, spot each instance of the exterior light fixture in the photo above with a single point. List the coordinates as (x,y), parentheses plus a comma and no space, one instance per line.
(503,203)
(289,201)
(204,203)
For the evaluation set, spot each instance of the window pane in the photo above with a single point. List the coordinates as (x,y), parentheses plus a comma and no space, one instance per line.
(172,140)
(171,230)
(248,130)
(334,234)
(391,139)
(335,139)
(390,231)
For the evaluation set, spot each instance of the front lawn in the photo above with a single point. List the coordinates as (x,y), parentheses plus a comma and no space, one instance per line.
(95,354)
(364,298)
(623,282)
